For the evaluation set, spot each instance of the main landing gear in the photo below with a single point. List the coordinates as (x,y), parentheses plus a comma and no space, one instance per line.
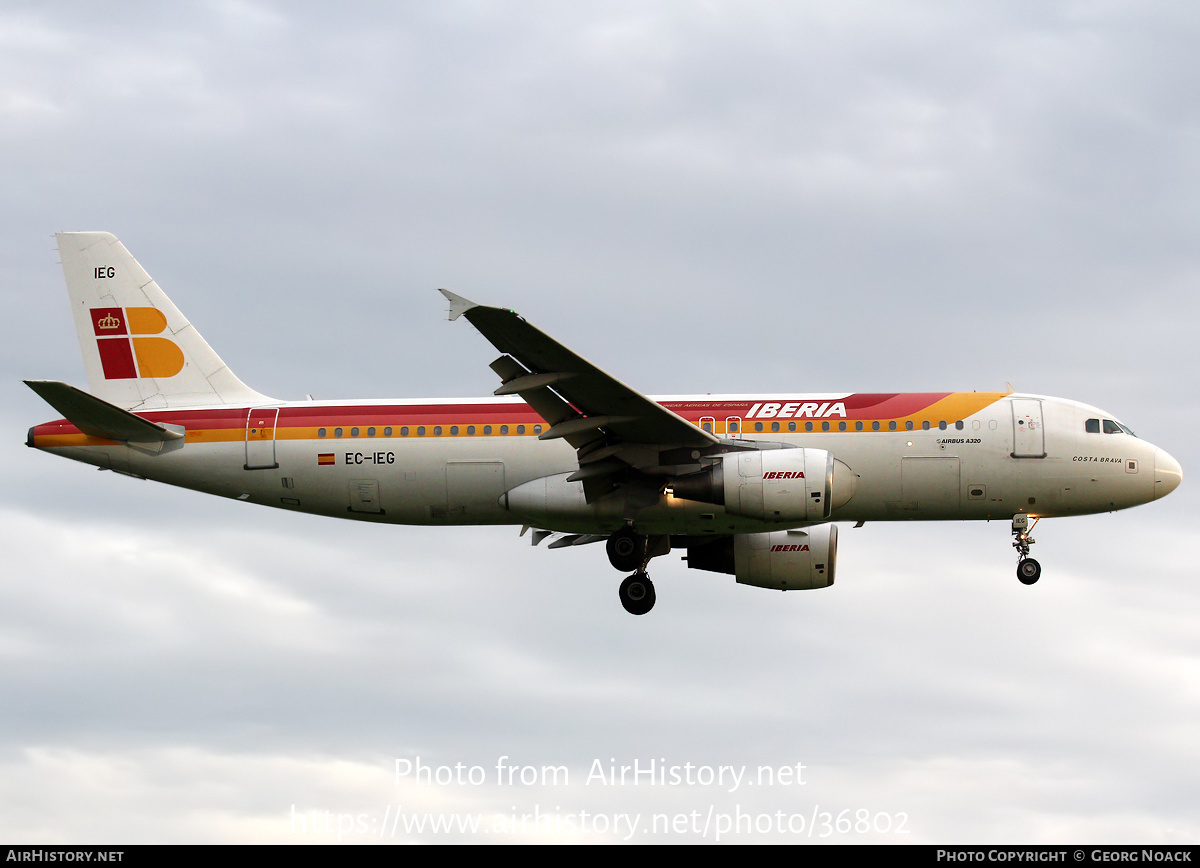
(637,593)
(1028,570)
(629,550)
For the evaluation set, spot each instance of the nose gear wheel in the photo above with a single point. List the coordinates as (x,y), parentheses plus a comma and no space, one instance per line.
(1028,570)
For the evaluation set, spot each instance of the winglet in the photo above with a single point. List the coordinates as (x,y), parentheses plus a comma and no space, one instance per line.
(458,304)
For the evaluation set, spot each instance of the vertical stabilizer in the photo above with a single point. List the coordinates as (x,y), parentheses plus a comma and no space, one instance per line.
(140,352)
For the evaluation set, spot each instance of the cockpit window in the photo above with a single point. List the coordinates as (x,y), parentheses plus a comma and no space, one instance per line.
(1110,426)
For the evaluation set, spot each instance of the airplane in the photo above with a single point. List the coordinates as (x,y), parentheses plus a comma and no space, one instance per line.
(749,485)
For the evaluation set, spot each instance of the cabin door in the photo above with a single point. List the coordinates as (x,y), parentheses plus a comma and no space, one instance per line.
(260,438)
(1029,437)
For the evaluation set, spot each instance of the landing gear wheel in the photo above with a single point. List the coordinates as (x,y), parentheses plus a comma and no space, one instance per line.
(637,594)
(1028,571)
(626,549)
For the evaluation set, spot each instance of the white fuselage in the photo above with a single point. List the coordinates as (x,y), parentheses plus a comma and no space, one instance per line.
(985,466)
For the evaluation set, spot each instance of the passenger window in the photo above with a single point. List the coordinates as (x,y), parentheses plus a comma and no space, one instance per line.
(925,425)
(487,429)
(959,425)
(858,426)
(454,430)
(942,425)
(520,429)
(758,426)
(470,429)
(437,430)
(320,432)
(420,430)
(503,429)
(875,425)
(371,432)
(808,426)
(892,425)
(824,426)
(387,432)
(337,432)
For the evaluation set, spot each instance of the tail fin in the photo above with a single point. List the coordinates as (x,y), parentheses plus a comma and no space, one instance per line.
(140,352)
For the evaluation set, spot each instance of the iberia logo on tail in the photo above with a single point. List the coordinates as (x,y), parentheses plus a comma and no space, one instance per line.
(126,351)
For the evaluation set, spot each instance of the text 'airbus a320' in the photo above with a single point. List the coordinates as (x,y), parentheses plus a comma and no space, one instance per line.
(749,485)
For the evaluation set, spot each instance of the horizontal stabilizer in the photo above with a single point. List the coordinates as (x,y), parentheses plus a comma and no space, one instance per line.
(99,418)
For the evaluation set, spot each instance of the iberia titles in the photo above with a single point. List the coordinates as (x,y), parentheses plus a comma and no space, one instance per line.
(797,410)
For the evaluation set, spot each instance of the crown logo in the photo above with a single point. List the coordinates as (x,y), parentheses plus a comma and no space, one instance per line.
(108,322)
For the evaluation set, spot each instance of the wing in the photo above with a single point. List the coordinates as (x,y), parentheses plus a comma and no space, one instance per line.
(620,436)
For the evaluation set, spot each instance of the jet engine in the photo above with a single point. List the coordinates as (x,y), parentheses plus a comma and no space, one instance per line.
(774,485)
(785,560)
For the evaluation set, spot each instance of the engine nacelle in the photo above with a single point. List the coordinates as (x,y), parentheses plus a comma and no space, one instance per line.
(786,560)
(792,485)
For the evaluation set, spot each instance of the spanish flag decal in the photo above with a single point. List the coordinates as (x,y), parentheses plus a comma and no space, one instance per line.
(324,458)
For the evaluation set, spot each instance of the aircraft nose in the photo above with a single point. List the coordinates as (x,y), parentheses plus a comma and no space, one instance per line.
(1167,474)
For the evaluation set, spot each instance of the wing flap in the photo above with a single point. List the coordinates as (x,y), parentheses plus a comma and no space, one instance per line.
(528,382)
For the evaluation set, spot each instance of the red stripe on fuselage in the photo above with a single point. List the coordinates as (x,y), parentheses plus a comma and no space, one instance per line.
(858,406)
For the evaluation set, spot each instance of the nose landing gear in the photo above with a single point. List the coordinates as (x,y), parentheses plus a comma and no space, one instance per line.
(1028,570)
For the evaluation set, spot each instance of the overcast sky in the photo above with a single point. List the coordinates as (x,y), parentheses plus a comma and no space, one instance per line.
(698,197)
